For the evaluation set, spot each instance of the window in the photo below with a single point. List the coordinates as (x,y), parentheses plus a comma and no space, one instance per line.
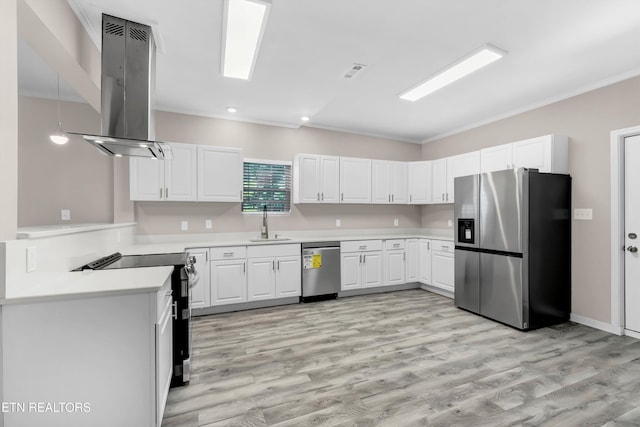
(266,183)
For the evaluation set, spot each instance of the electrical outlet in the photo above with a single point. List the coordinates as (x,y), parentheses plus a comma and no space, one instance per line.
(449,223)
(184,225)
(208,223)
(395,222)
(65,215)
(338,223)
(32,259)
(583,214)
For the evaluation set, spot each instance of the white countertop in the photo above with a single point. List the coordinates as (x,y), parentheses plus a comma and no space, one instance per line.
(84,284)
(59,230)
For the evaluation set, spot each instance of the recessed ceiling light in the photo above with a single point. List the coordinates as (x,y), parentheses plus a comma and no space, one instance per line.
(232,109)
(305,118)
(473,62)
(244,23)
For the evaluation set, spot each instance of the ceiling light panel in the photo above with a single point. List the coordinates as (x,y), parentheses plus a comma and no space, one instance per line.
(244,24)
(473,62)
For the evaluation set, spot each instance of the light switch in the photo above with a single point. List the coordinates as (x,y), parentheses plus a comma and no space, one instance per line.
(395,222)
(65,215)
(583,214)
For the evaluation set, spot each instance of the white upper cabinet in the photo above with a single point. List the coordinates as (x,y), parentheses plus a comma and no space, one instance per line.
(388,182)
(419,190)
(549,153)
(180,173)
(399,183)
(496,158)
(219,174)
(173,180)
(316,179)
(355,180)
(444,171)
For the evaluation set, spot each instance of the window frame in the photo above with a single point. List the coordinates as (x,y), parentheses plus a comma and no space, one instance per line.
(268,162)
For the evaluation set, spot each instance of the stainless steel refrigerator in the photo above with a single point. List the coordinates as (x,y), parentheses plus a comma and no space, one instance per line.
(513,246)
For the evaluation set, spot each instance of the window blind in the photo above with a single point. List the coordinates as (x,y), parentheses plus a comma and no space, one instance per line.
(266,184)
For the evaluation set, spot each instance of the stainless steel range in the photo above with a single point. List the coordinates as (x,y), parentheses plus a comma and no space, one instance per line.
(184,276)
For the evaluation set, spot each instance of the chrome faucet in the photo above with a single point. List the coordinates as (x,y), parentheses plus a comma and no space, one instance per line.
(264,234)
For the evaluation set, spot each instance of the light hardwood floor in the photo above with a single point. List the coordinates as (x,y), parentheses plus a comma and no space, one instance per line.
(401,359)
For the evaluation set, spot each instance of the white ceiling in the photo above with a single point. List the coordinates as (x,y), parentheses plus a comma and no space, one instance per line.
(556,49)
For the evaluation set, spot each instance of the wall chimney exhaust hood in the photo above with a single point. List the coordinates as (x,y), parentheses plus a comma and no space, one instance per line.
(127,92)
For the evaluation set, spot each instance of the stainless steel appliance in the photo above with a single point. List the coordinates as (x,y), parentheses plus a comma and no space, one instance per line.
(513,246)
(183,277)
(127,92)
(320,271)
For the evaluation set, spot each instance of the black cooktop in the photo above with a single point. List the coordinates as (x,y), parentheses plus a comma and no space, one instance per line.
(117,260)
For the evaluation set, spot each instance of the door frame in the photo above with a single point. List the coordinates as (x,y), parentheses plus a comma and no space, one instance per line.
(617,227)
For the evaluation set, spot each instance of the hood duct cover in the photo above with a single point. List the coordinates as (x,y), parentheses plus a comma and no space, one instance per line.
(128,91)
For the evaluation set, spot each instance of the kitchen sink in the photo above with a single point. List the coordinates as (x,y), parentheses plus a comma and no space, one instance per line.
(276,239)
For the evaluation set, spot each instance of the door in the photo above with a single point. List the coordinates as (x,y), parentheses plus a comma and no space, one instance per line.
(631,229)
(228,282)
(395,266)
(330,179)
(495,158)
(350,270)
(443,270)
(261,278)
(371,269)
(399,183)
(439,180)
(146,179)
(381,181)
(219,174)
(180,173)
(411,261)
(307,171)
(501,211)
(419,182)
(355,180)
(424,268)
(467,280)
(288,276)
(501,297)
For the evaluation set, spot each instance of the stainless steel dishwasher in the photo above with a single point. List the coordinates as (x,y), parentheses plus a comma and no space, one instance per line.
(320,271)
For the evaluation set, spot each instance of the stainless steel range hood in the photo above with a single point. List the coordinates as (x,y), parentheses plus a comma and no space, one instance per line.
(128,92)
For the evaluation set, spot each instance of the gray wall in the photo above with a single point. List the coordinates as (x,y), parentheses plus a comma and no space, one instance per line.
(587,120)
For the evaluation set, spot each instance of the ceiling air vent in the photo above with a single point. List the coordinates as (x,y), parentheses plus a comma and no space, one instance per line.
(354,70)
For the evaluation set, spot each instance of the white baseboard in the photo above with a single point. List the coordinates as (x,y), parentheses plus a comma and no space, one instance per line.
(632,334)
(603,326)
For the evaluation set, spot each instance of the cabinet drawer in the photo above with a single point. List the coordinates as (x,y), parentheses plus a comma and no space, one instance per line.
(263,251)
(229,252)
(394,244)
(361,245)
(442,246)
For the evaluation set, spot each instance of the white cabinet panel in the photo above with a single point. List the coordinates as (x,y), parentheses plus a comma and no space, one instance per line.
(146,179)
(394,264)
(424,267)
(419,182)
(533,153)
(261,282)
(307,178)
(439,180)
(355,180)
(399,183)
(288,276)
(228,282)
(442,265)
(330,179)
(380,181)
(460,165)
(201,291)
(496,158)
(412,249)
(219,174)
(371,269)
(180,173)
(164,359)
(350,271)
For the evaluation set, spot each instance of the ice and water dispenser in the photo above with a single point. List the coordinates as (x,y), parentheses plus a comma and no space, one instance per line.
(466,231)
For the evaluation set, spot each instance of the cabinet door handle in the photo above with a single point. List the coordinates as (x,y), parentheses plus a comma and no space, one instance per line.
(389,198)
(273,265)
(318,196)
(404,256)
(364,258)
(443,197)
(410,198)
(360,258)
(166,192)
(362,247)
(161,192)
(175,310)
(278,265)
(393,198)
(428,246)
(244,267)
(342,197)
(322,196)
(228,254)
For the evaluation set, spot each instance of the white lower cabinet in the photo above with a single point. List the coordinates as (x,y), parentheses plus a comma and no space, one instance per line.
(274,271)
(228,275)
(424,263)
(412,251)
(394,262)
(442,265)
(360,264)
